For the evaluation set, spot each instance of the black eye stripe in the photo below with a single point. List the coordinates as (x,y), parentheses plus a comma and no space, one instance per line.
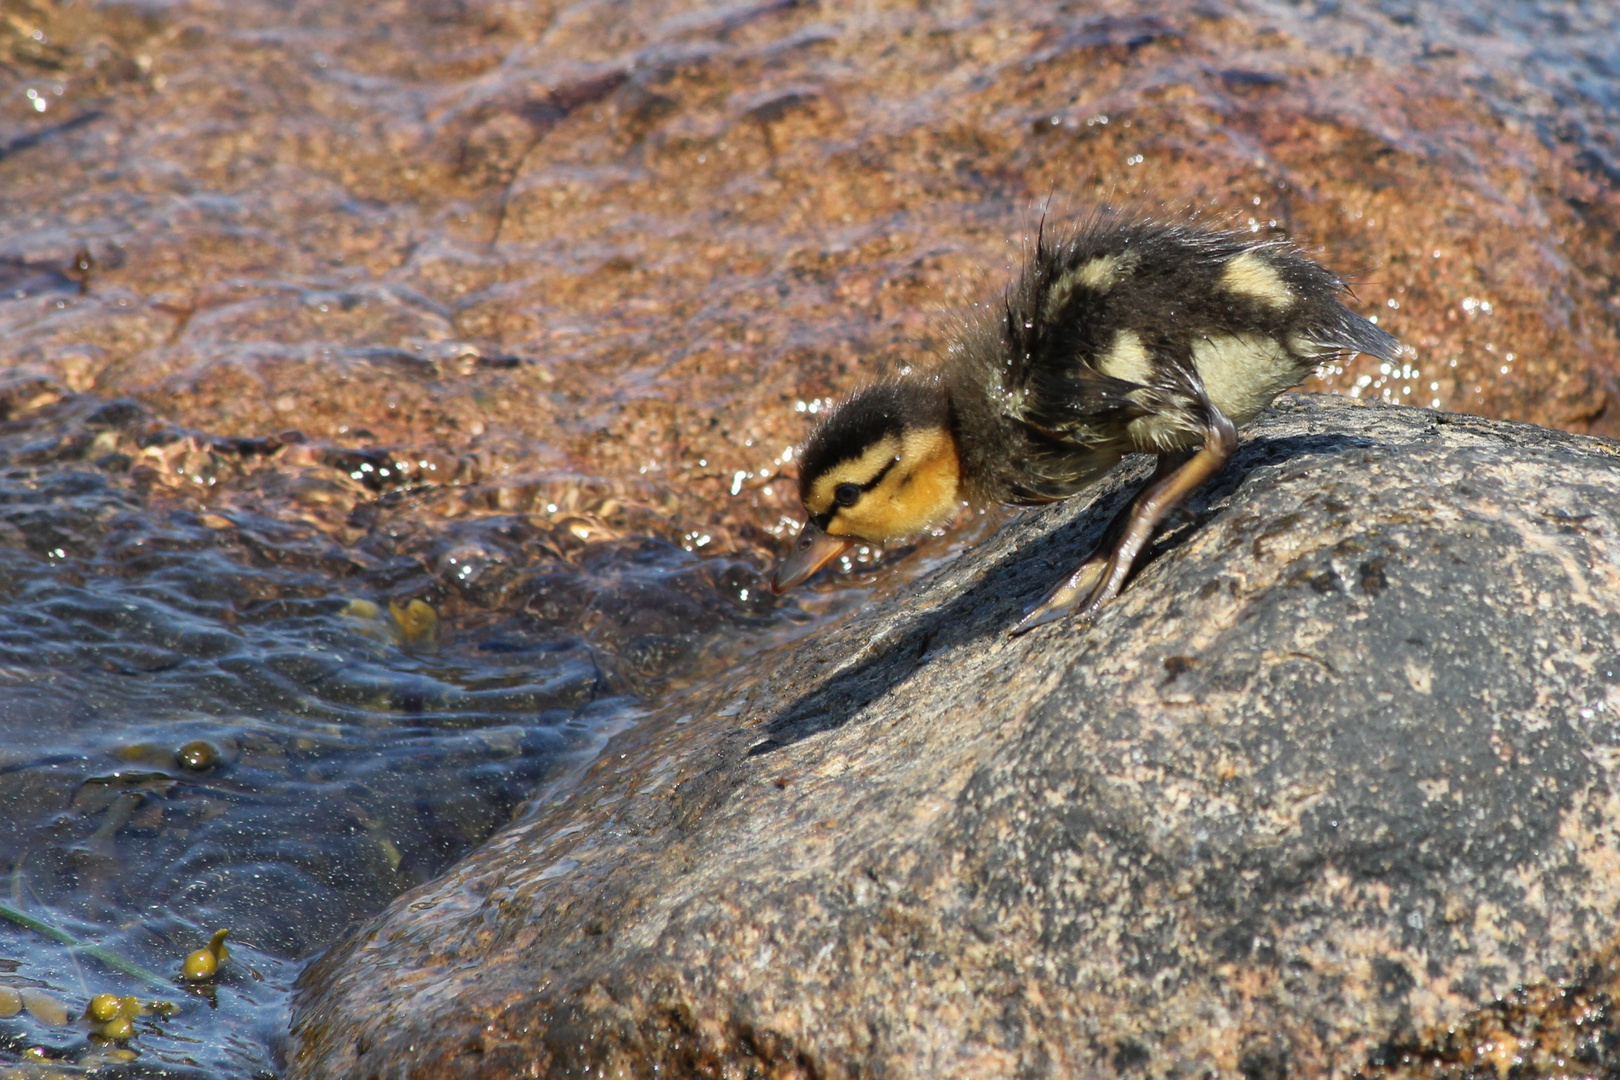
(849,493)
(878,479)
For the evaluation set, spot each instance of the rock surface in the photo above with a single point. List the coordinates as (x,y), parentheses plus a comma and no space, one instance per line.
(1336,770)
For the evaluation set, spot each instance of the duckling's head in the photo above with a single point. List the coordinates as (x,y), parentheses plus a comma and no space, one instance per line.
(881,467)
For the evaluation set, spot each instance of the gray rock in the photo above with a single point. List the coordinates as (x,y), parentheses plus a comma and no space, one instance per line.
(1333,771)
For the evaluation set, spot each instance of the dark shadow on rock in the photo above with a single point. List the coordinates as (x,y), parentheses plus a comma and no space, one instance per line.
(1021,577)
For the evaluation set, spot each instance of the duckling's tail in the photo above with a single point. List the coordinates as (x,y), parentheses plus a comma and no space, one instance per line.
(1345,331)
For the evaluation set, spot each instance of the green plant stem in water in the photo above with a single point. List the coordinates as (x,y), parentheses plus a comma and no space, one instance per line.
(106,956)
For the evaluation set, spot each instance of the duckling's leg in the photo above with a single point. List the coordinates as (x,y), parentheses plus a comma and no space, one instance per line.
(1100,578)
(1080,584)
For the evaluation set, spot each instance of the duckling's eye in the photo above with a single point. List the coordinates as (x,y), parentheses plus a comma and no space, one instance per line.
(847,494)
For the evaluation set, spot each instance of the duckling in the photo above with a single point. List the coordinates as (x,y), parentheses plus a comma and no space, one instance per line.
(1122,336)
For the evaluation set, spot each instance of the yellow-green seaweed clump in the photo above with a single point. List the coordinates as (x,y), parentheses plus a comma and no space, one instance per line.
(203,964)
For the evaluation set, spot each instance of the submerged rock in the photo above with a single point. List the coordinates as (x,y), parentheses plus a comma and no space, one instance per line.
(558,260)
(1334,772)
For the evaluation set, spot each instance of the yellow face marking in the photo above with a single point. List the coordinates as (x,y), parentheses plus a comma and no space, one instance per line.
(855,470)
(1244,373)
(920,491)
(1100,274)
(1127,359)
(1252,276)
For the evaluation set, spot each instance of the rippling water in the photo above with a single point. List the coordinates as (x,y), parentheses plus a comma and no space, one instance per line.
(268,679)
(219,719)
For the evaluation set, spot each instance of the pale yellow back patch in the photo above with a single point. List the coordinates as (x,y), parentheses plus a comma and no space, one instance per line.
(1099,274)
(919,492)
(1313,350)
(1244,373)
(1158,433)
(1252,276)
(856,470)
(1127,359)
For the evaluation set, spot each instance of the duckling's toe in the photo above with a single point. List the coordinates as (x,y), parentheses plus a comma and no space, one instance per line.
(1076,595)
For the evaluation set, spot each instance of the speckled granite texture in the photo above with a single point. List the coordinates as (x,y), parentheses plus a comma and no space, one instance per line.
(1333,772)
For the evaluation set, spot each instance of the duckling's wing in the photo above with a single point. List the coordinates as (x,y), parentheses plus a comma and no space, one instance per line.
(1046,344)
(1078,405)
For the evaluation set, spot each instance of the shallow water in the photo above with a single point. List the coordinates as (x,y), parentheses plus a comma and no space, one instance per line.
(215,720)
(372,467)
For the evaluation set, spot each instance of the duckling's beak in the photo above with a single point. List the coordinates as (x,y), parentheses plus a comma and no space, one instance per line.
(811,551)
